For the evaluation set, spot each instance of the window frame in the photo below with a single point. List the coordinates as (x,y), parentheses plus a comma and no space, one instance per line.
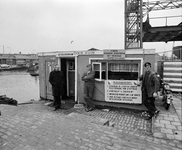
(100,71)
(101,60)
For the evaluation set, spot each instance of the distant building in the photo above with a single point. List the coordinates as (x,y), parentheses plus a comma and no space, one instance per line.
(177,52)
(18,59)
(158,58)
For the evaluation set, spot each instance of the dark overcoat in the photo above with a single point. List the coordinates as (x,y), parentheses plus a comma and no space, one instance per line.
(56,78)
(153,83)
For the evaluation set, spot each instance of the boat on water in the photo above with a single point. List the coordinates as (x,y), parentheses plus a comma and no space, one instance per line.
(34,70)
(7,100)
(34,73)
(5,67)
(33,67)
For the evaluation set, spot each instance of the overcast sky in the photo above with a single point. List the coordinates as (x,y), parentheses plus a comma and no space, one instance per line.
(31,26)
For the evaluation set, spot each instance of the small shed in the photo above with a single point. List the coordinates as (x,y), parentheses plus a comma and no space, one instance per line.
(116,74)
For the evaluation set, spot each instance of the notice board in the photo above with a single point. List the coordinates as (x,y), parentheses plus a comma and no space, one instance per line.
(123,91)
(114,54)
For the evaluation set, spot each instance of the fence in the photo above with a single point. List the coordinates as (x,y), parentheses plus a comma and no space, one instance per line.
(171,72)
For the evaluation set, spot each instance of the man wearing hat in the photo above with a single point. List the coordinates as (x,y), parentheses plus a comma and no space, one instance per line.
(88,78)
(150,87)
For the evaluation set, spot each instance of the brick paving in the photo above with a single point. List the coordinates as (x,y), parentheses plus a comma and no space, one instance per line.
(168,124)
(123,119)
(37,127)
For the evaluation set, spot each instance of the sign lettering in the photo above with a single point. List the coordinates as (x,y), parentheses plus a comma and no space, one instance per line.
(124,91)
(114,54)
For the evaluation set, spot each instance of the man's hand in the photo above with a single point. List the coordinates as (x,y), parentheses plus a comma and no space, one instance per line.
(155,95)
(137,83)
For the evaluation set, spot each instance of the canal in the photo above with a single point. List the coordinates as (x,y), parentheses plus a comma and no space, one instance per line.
(19,85)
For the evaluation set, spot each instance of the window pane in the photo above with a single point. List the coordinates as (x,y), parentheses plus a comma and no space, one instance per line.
(122,71)
(96,68)
(103,70)
(123,67)
(104,66)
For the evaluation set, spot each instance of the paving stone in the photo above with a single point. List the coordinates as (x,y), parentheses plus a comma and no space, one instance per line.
(170,126)
(159,125)
(178,137)
(170,136)
(176,123)
(159,135)
(170,118)
(165,122)
(88,119)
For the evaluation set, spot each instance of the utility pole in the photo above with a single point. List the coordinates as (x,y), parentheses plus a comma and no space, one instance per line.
(9,49)
(3,48)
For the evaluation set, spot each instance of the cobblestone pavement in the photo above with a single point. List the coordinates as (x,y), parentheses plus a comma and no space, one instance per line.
(123,119)
(37,127)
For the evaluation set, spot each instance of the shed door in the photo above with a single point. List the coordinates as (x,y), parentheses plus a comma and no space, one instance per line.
(49,67)
(71,77)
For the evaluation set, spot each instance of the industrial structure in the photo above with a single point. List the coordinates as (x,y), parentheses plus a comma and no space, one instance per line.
(138,31)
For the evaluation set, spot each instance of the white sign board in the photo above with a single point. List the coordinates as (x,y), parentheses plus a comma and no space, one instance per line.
(114,54)
(122,91)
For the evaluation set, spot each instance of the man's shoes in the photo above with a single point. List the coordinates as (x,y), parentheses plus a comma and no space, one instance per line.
(156,113)
(90,108)
(146,115)
(86,109)
(148,118)
(56,108)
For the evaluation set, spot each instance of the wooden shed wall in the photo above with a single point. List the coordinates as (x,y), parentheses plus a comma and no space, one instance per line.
(82,62)
(42,75)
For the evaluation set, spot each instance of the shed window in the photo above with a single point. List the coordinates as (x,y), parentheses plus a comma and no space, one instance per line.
(116,70)
(100,70)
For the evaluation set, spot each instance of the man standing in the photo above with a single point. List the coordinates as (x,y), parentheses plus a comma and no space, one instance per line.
(56,79)
(150,87)
(89,86)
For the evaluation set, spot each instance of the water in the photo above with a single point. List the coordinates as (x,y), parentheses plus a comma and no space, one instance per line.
(19,85)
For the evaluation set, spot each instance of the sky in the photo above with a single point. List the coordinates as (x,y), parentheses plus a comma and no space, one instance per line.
(32,26)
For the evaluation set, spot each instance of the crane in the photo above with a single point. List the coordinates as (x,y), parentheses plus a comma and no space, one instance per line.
(136,29)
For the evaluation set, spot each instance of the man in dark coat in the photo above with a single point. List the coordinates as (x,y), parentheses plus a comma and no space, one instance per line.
(56,79)
(150,87)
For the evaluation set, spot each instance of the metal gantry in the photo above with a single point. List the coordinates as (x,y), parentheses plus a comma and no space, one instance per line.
(133,24)
(135,11)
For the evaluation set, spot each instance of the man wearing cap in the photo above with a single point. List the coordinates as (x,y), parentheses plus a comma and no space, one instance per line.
(150,87)
(88,78)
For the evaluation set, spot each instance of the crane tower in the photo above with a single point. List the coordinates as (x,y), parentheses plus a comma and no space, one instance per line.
(136,29)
